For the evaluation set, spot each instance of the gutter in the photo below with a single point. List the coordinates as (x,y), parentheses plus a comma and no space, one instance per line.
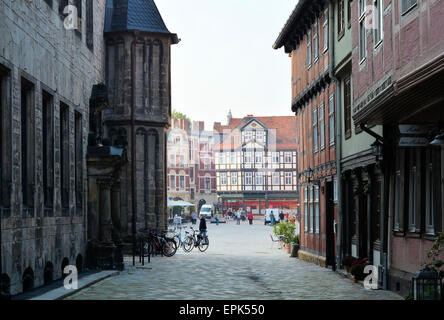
(338,129)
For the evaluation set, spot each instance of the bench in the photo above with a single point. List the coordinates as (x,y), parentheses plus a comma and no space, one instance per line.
(278,240)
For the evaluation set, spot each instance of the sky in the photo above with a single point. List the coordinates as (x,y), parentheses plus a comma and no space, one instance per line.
(225,58)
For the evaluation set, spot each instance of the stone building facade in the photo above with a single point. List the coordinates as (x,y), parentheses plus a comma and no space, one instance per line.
(51,58)
(46,75)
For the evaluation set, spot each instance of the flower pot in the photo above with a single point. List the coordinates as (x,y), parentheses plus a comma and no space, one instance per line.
(288,247)
(347,268)
(294,250)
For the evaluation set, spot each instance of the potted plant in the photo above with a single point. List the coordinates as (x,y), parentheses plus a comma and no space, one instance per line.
(347,262)
(295,245)
(287,231)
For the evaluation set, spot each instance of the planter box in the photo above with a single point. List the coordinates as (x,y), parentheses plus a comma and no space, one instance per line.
(294,250)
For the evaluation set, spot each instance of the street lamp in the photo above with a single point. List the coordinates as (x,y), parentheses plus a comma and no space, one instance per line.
(377,149)
(426,285)
(309,174)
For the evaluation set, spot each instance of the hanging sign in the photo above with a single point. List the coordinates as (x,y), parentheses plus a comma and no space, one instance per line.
(413,142)
(413,129)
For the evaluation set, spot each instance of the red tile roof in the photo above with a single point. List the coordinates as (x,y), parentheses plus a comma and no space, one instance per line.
(285,127)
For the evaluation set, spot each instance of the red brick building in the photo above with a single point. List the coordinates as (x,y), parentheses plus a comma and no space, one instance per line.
(304,39)
(397,80)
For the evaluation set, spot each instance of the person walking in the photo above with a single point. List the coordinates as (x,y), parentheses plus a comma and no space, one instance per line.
(238,216)
(217,218)
(272,218)
(202,229)
(250,218)
(281,217)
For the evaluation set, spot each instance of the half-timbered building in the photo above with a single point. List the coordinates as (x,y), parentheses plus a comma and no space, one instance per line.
(256,164)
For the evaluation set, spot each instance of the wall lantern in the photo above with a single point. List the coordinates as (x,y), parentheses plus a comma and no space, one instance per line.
(377,149)
(439,140)
(426,285)
(309,174)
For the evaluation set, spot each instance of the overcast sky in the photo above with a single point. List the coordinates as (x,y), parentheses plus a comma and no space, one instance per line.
(225,59)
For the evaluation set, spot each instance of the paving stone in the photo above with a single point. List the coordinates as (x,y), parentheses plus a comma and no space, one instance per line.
(240,264)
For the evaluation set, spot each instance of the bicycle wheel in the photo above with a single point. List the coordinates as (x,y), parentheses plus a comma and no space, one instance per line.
(203,244)
(188,244)
(147,248)
(169,247)
(177,241)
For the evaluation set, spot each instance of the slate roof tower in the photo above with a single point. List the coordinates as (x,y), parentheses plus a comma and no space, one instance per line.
(137,73)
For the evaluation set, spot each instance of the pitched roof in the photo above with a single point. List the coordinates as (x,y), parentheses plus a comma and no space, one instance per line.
(303,15)
(285,127)
(128,15)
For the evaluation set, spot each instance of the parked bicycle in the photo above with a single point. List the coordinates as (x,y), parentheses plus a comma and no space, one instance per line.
(176,235)
(191,241)
(154,244)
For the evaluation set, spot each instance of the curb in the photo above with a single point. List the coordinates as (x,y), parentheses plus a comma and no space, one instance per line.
(81,287)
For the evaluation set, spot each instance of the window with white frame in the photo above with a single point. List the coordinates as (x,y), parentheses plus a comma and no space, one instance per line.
(315,129)
(260,136)
(288,178)
(207,163)
(248,135)
(335,190)
(259,178)
(172,181)
(234,179)
(288,157)
(259,157)
(233,157)
(316,205)
(341,18)
(247,157)
(377,20)
(311,189)
(191,150)
(172,160)
(182,182)
(309,53)
(331,119)
(325,31)
(316,40)
(362,31)
(182,161)
(306,209)
(227,157)
(221,158)
(275,157)
(207,183)
(248,178)
(406,5)
(321,126)
(276,178)
(223,178)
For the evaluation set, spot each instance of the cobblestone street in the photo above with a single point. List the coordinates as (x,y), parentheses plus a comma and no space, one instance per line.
(240,263)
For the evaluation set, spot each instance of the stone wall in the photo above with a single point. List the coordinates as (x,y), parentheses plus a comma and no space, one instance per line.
(36,46)
(152,110)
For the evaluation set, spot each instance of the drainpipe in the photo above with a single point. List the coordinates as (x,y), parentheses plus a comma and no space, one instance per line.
(331,60)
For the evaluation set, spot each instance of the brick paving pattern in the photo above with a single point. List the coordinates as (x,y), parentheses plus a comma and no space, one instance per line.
(240,263)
